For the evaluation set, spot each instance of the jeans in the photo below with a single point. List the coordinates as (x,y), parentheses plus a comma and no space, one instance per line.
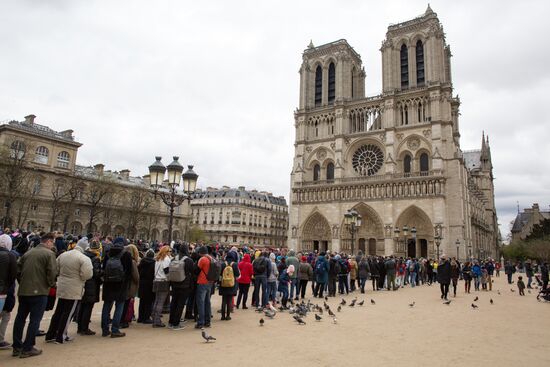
(261,282)
(2,302)
(444,290)
(243,293)
(160,298)
(343,284)
(203,303)
(319,288)
(4,320)
(391,281)
(476,283)
(362,282)
(294,285)
(272,291)
(303,287)
(331,286)
(529,280)
(179,300)
(284,292)
(106,314)
(509,278)
(412,279)
(32,306)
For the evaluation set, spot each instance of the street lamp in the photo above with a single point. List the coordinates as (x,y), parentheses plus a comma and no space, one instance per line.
(470,251)
(172,198)
(457,243)
(437,244)
(405,231)
(352,221)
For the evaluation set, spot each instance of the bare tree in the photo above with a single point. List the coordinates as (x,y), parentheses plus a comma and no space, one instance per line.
(94,196)
(75,188)
(138,202)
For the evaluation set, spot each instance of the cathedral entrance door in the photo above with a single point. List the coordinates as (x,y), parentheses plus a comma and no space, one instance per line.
(372,246)
(411,248)
(423,248)
(316,246)
(324,246)
(362,245)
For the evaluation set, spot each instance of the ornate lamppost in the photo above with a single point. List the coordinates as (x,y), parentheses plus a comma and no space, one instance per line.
(438,239)
(457,243)
(171,197)
(352,221)
(405,231)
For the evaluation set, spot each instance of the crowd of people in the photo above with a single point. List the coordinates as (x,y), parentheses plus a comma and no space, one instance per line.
(71,274)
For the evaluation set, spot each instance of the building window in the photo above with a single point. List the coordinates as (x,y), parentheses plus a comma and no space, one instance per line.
(63,159)
(404,67)
(330,171)
(34,207)
(17,149)
(424,163)
(331,83)
(77,212)
(419,63)
(316,172)
(318,85)
(41,155)
(316,129)
(407,165)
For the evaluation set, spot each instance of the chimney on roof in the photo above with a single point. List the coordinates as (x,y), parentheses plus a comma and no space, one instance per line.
(30,119)
(147,180)
(125,174)
(67,133)
(99,168)
(241,188)
(536,207)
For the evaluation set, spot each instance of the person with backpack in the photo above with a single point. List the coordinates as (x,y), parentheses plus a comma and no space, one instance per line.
(390,273)
(334,271)
(343,275)
(129,310)
(262,269)
(246,271)
(181,279)
(413,266)
(272,280)
(322,268)
(207,272)
(161,285)
(117,271)
(146,269)
(374,272)
(228,284)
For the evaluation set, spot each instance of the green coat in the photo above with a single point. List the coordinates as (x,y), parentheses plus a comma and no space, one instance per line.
(36,272)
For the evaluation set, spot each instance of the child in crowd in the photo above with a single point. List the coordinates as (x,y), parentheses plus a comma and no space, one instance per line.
(521,286)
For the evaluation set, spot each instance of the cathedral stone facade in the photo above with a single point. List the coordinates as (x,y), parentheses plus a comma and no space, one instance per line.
(395,158)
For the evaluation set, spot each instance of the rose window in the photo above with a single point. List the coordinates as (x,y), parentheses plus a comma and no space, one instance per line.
(367,160)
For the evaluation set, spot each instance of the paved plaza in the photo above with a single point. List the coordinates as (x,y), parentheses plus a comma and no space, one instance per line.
(513,330)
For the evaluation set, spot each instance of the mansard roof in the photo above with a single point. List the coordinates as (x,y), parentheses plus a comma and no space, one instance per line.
(240,192)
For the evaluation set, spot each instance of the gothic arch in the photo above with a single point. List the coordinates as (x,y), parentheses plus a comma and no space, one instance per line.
(316,233)
(371,228)
(418,37)
(319,155)
(415,217)
(348,154)
(406,144)
(329,60)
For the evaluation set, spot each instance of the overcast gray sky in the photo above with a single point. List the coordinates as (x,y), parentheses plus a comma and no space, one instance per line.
(216,82)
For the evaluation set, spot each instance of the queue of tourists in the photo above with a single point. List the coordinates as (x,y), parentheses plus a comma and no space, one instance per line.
(69,275)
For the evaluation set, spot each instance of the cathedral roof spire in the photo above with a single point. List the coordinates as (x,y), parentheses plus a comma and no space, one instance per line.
(310,46)
(428,10)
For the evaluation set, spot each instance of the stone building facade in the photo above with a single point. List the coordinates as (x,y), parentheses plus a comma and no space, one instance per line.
(59,194)
(240,216)
(523,224)
(395,158)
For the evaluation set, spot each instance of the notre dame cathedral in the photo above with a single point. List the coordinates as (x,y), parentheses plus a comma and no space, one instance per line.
(395,158)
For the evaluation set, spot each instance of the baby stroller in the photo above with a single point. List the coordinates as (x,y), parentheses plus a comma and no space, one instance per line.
(543,293)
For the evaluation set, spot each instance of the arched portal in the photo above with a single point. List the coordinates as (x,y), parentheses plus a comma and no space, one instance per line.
(316,233)
(371,228)
(421,244)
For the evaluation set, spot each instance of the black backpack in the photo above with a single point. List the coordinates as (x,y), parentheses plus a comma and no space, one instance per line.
(114,271)
(214,270)
(259,266)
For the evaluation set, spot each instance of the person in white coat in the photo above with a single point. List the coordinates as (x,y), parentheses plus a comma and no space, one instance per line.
(74,269)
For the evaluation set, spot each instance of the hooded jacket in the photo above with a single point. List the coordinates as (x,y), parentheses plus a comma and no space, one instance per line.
(293,260)
(245,268)
(274,275)
(74,270)
(8,265)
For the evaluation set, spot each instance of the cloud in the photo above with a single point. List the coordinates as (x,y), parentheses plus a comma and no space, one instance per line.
(217,82)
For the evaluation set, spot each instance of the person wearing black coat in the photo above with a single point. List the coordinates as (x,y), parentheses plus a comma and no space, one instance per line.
(375,274)
(381,271)
(91,291)
(181,291)
(228,293)
(114,293)
(146,269)
(444,276)
(544,275)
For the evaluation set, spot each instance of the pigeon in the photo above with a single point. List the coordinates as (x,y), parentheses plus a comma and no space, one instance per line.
(352,304)
(325,306)
(411,304)
(270,314)
(361,303)
(299,320)
(339,308)
(343,303)
(334,320)
(207,337)
(474,306)
(512,290)
(491,301)
(320,310)
(259,310)
(498,292)
(476,299)
(330,312)
(262,322)
(447,302)
(291,301)
(326,298)
(529,291)
(372,302)
(318,318)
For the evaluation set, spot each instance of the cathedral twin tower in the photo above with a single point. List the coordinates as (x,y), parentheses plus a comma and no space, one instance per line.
(394,158)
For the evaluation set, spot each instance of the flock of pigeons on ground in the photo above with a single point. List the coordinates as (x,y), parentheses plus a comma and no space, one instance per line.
(299,311)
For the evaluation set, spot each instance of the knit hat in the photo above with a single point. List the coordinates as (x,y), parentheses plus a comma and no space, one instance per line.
(95,245)
(119,242)
(290,269)
(150,254)
(5,242)
(83,243)
(272,256)
(304,259)
(203,250)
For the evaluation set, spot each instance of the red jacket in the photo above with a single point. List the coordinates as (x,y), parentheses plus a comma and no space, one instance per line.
(245,267)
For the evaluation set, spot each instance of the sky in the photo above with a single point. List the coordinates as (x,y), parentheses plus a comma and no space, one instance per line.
(216,82)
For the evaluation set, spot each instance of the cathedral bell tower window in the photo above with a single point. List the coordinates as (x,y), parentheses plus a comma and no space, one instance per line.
(404,58)
(419,63)
(318,85)
(331,83)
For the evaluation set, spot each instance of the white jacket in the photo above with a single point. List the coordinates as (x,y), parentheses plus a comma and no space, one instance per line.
(74,269)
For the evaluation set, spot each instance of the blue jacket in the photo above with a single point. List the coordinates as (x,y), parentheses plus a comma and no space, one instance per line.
(284,278)
(321,270)
(476,269)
